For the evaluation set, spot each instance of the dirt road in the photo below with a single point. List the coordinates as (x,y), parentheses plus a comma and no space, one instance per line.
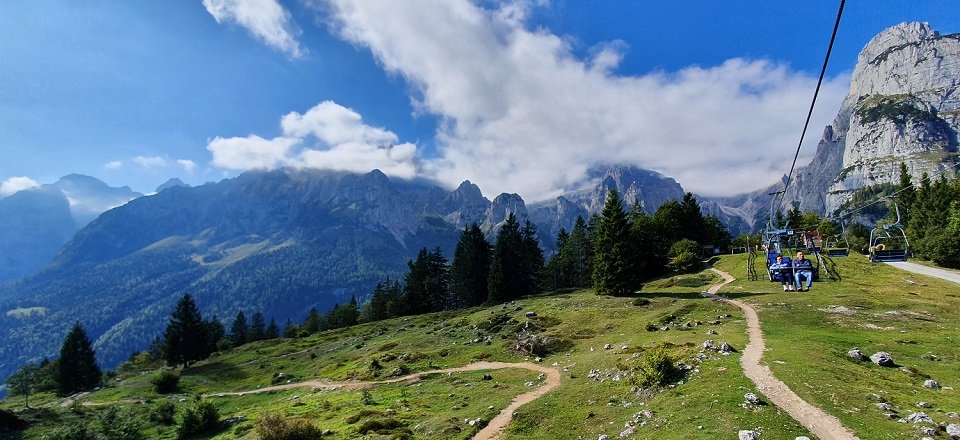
(926,270)
(818,422)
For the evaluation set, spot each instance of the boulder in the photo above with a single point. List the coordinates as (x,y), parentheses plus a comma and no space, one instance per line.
(953,430)
(882,359)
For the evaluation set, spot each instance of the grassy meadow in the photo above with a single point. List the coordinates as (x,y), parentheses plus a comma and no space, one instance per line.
(597,342)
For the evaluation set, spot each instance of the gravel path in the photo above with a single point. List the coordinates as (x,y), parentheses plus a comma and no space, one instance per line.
(493,428)
(926,270)
(818,422)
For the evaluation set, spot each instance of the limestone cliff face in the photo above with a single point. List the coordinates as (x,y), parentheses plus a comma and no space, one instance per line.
(902,107)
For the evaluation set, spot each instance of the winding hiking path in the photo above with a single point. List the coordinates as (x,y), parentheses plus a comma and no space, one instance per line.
(493,428)
(818,422)
(926,270)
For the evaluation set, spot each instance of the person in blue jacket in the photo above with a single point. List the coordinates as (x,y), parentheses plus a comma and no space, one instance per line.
(802,269)
(782,268)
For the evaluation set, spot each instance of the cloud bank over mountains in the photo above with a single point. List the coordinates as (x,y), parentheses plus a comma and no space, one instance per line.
(520,112)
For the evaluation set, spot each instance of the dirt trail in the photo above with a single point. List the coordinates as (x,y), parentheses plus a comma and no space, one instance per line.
(491,431)
(821,424)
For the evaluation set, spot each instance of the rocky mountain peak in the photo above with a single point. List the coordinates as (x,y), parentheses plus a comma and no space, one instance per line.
(172,183)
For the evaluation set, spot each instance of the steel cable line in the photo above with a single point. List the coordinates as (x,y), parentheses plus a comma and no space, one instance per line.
(823,72)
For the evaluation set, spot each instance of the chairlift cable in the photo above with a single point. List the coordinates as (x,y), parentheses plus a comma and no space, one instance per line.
(823,72)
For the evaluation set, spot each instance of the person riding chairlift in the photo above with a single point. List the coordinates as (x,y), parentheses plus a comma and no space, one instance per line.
(802,268)
(782,268)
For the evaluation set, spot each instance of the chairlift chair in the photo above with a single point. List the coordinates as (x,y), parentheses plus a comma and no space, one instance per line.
(889,242)
(837,245)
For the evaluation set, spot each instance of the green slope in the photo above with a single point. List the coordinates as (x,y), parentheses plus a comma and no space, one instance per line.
(807,345)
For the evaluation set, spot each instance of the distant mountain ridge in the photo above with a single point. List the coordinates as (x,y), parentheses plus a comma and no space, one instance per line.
(36,222)
(280,241)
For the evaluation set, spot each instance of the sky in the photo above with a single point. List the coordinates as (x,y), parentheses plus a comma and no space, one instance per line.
(520,96)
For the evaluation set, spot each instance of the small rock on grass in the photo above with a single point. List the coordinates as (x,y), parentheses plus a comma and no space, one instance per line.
(856,354)
(953,430)
(930,383)
(753,399)
(747,434)
(882,359)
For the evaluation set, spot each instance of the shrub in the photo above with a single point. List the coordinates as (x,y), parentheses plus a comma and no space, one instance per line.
(641,302)
(165,382)
(684,245)
(115,425)
(655,368)
(275,427)
(163,413)
(684,262)
(199,417)
(79,431)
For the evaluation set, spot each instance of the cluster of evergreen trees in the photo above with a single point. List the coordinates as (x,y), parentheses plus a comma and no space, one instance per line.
(930,212)
(480,273)
(612,252)
(615,250)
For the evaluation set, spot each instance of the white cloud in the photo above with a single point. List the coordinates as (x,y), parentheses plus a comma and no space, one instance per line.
(267,20)
(114,165)
(188,165)
(521,113)
(327,136)
(251,152)
(151,161)
(14,184)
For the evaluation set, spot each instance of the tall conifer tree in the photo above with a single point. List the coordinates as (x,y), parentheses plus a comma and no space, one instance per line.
(470,268)
(614,270)
(238,330)
(506,278)
(185,338)
(77,364)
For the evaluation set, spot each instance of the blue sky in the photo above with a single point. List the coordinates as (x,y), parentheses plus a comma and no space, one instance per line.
(517,96)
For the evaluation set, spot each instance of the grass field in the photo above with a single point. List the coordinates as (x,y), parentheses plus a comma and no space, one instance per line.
(598,341)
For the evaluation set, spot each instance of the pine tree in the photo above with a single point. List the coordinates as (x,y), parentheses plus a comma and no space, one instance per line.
(313,322)
(77,363)
(214,333)
(614,271)
(291,330)
(470,268)
(505,280)
(650,245)
(559,268)
(578,252)
(905,194)
(185,338)
(238,330)
(425,285)
(273,331)
(531,262)
(258,328)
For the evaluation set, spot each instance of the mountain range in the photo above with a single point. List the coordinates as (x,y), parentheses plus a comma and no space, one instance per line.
(286,240)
